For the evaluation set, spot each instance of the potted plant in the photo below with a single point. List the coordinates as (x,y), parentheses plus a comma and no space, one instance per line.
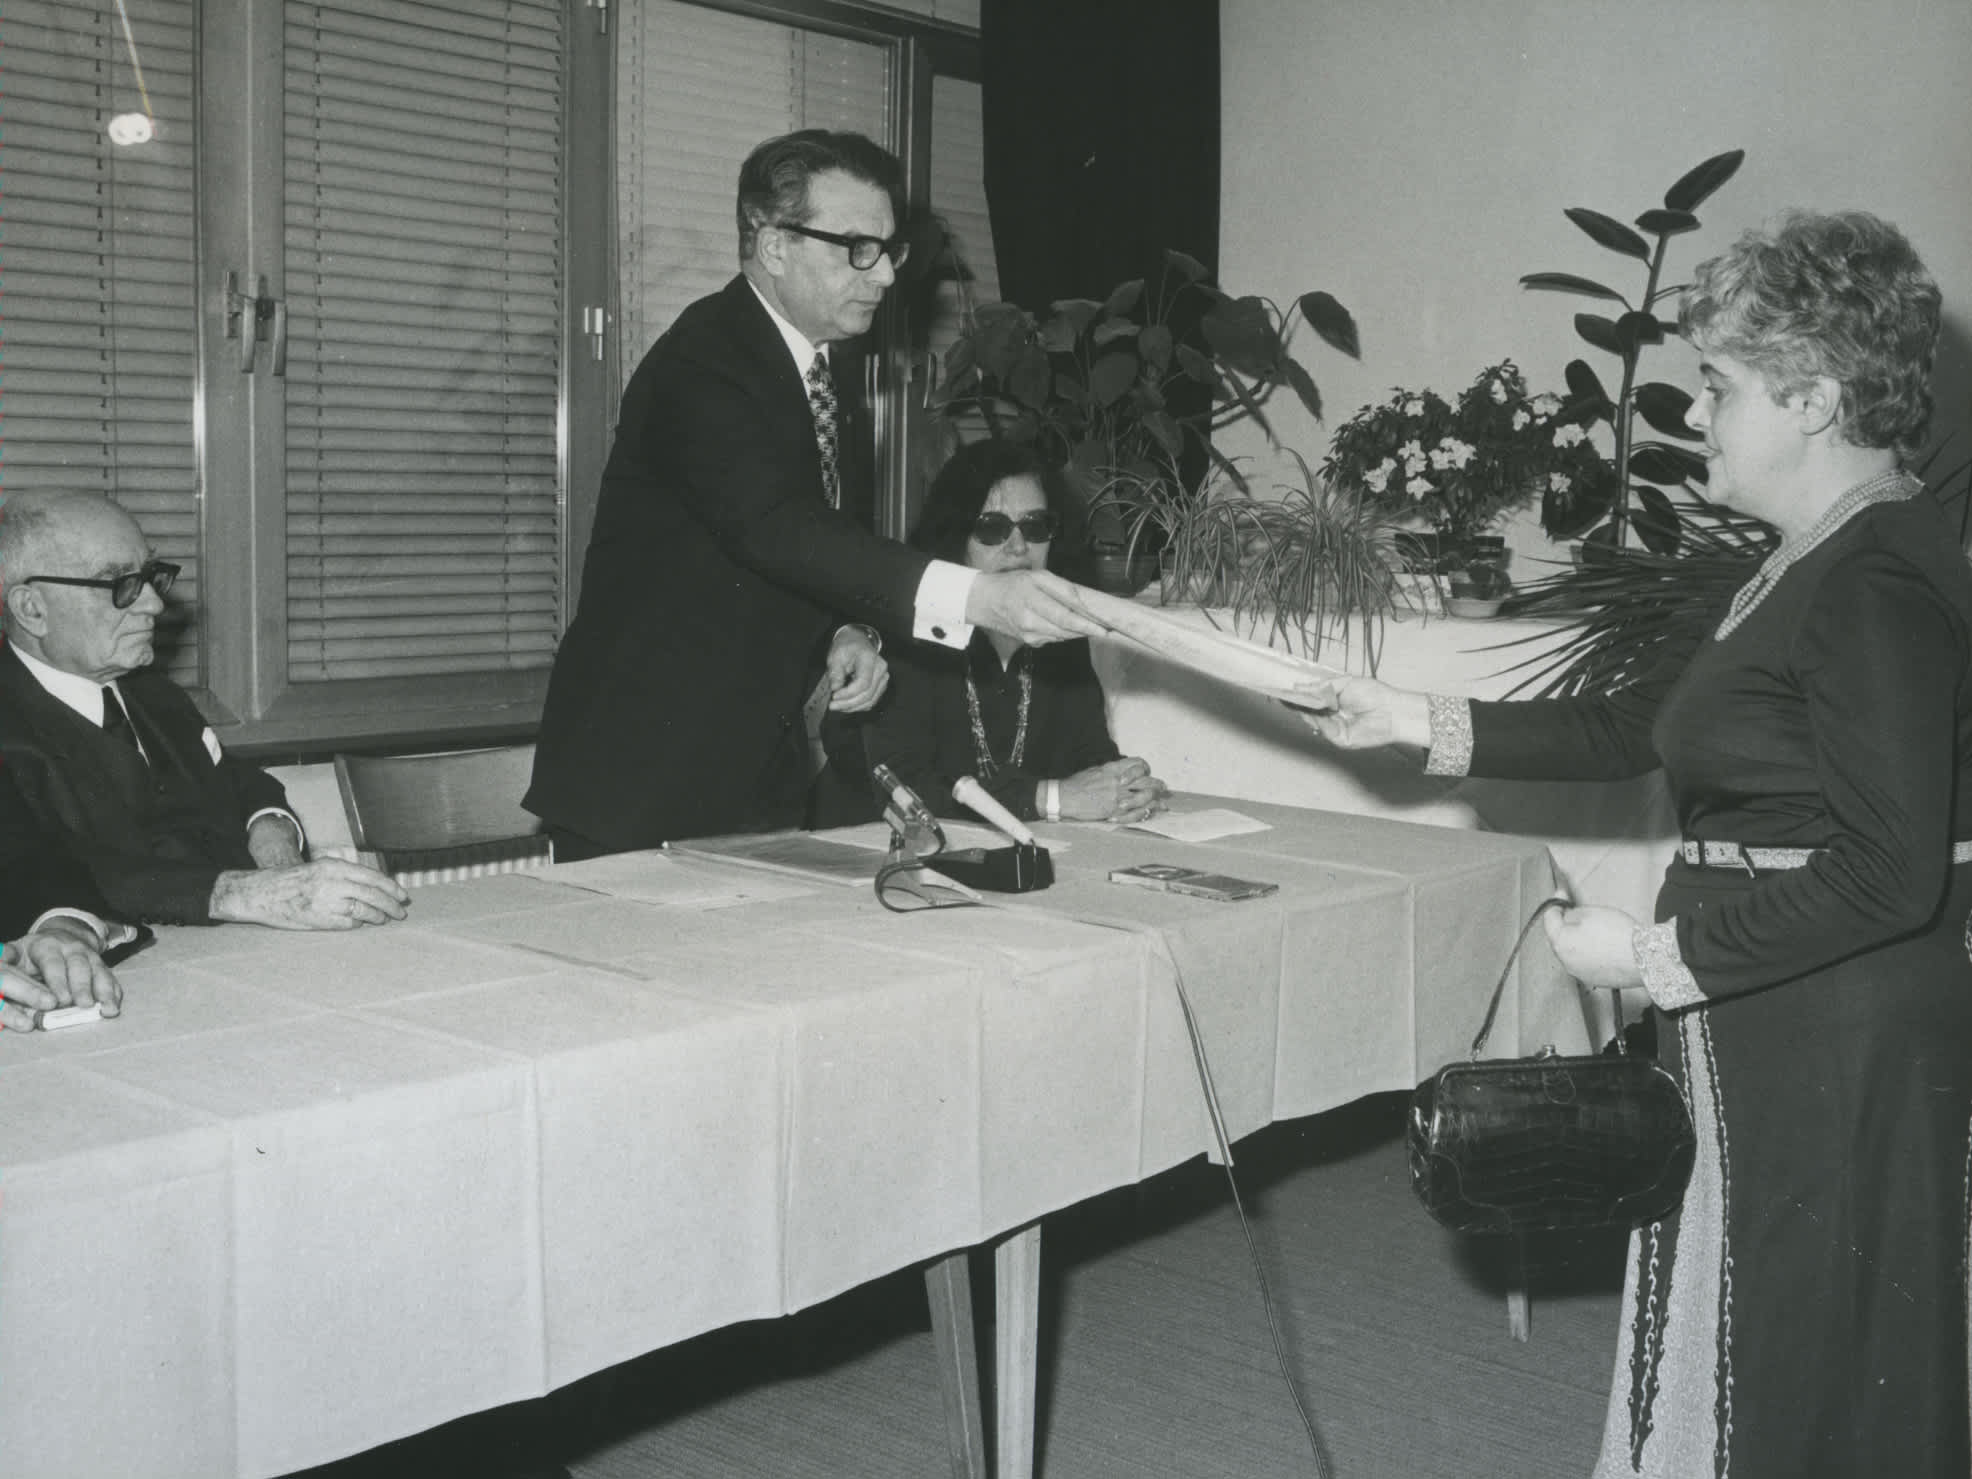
(1301,567)
(1126,392)
(1458,467)
(1600,507)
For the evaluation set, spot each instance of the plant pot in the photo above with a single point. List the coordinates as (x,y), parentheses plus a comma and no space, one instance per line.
(1123,575)
(1473,607)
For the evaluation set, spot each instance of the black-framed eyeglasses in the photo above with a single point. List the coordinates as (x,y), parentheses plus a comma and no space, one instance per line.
(1036,528)
(863,250)
(125,588)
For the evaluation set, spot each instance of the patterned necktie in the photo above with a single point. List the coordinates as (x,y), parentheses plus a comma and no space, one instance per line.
(116,723)
(821,403)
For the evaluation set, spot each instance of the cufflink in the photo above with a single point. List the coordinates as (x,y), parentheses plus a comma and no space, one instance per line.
(938,633)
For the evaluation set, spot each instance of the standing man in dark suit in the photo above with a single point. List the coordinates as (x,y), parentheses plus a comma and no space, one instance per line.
(723,579)
(116,764)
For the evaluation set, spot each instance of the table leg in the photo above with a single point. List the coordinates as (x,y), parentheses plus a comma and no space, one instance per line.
(1017,1345)
(1518,1322)
(948,1288)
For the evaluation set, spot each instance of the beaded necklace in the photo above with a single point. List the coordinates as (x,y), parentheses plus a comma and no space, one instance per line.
(983,752)
(1890,487)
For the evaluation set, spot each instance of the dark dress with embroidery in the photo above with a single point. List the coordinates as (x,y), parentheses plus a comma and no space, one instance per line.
(923,729)
(1804,1314)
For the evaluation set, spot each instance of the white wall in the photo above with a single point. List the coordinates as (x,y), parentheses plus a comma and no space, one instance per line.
(1413,157)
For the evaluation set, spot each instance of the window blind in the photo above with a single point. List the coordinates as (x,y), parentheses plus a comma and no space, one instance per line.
(100,347)
(422,231)
(958,195)
(696,89)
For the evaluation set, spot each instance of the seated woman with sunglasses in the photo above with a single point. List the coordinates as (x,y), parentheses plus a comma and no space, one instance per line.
(1028,722)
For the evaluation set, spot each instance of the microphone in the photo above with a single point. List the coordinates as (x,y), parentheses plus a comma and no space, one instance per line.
(976,798)
(907,804)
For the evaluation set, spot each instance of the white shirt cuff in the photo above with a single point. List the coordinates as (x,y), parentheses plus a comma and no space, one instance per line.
(111,935)
(940,611)
(300,836)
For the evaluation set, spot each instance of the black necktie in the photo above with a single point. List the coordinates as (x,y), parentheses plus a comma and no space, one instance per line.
(116,723)
(821,403)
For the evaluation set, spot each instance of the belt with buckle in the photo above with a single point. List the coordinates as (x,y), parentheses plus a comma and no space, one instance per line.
(1763,859)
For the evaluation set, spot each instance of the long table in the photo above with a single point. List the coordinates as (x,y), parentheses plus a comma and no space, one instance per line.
(311,1193)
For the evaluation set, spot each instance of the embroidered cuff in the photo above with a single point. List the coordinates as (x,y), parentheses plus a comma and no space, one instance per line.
(1665,977)
(1451,735)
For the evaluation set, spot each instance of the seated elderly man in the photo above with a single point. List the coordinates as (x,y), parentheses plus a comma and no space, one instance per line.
(54,939)
(116,763)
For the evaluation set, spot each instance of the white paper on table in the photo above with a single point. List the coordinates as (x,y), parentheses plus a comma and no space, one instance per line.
(1219,655)
(1200,826)
(655,878)
(958,835)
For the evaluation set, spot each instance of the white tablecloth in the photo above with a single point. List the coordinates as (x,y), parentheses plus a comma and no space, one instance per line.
(1611,841)
(314,1192)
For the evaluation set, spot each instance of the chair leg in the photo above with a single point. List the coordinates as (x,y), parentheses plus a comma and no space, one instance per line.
(1016,1338)
(948,1287)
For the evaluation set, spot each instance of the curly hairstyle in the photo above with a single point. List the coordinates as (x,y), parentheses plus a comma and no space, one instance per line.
(1841,294)
(773,183)
(965,482)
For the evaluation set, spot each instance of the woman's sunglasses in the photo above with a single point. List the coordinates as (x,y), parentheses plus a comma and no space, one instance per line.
(1035,528)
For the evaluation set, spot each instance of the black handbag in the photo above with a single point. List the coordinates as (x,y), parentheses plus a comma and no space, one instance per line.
(1547,1143)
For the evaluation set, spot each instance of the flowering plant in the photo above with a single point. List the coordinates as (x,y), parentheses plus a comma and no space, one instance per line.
(1460,466)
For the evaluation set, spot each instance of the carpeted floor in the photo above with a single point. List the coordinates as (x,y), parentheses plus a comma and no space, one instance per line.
(1156,1357)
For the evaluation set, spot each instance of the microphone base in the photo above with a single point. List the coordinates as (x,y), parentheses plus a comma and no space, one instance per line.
(1018,869)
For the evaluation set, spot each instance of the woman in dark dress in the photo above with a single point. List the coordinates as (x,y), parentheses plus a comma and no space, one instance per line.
(1028,722)
(1804,1314)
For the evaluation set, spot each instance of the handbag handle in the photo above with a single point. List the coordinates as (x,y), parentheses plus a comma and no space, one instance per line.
(1558,901)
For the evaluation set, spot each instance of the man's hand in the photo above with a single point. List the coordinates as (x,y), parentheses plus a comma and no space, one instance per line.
(272,841)
(857,673)
(1361,713)
(325,895)
(1116,791)
(24,996)
(1593,945)
(1034,606)
(62,956)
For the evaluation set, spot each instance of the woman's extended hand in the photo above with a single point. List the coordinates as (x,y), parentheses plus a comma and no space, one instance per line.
(1117,791)
(1361,713)
(1593,945)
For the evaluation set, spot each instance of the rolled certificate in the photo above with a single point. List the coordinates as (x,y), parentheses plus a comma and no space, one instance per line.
(975,797)
(1217,654)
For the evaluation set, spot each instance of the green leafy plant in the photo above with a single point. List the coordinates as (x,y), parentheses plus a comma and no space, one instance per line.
(1461,466)
(1118,387)
(1304,565)
(1601,507)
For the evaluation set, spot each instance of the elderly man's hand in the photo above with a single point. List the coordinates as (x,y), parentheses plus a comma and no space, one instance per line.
(63,957)
(857,673)
(325,895)
(1033,606)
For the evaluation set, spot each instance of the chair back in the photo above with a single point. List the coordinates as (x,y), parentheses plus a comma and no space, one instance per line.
(440,817)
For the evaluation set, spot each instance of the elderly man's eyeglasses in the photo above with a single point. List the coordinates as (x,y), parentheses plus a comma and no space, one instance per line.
(1035,528)
(863,250)
(125,588)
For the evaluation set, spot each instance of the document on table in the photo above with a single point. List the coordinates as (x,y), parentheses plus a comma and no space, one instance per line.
(1199,826)
(658,878)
